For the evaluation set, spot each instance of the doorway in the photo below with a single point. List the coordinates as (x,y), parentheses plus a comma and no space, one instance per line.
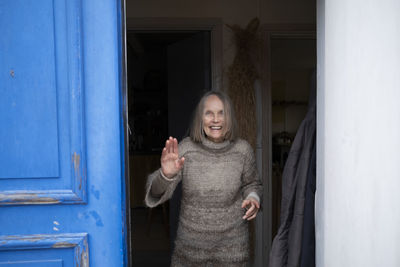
(168,71)
(289,59)
(144,28)
(293,64)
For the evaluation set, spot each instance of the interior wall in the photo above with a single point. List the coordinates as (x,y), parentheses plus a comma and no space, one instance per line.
(292,64)
(230,11)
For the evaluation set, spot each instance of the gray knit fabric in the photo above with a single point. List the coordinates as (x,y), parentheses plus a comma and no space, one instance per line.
(216,178)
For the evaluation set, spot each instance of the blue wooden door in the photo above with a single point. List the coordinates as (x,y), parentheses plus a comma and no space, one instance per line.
(61,140)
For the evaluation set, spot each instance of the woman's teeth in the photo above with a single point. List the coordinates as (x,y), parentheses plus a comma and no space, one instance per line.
(216,127)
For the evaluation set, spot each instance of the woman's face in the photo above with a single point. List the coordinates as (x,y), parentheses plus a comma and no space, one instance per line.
(214,119)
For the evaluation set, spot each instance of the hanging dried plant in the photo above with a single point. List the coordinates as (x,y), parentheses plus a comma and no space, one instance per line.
(241,77)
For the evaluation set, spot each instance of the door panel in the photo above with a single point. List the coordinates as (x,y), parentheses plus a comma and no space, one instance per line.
(45,250)
(31,115)
(61,152)
(43,104)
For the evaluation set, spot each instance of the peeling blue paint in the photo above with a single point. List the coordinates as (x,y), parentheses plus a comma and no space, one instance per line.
(96,216)
(95,192)
(33,197)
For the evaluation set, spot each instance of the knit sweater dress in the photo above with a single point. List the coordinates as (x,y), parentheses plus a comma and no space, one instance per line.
(216,178)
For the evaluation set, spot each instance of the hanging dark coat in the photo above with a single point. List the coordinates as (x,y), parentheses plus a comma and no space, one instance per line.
(287,244)
(307,258)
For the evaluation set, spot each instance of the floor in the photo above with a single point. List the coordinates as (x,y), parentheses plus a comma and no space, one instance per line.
(150,238)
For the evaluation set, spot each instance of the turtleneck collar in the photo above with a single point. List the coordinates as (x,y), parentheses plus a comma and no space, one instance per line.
(214,146)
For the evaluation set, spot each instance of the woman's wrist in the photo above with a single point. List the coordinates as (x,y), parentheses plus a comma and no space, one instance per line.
(254,196)
(166,177)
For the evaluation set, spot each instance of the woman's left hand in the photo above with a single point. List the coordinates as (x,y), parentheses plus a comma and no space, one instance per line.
(252,207)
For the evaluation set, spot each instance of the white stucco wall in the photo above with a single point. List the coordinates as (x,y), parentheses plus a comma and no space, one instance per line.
(357,213)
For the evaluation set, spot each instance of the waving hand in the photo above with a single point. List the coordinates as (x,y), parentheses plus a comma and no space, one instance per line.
(171,164)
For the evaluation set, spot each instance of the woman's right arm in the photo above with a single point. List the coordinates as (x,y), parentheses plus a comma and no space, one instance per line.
(162,183)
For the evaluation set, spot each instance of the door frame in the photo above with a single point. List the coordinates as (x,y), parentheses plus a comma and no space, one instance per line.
(214,25)
(124,126)
(269,32)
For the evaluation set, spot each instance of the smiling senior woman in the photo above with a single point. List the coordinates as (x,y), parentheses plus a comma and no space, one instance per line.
(221,189)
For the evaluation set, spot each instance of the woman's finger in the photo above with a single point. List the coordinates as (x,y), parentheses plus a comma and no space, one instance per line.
(252,217)
(252,214)
(167,146)
(254,201)
(163,153)
(179,163)
(175,146)
(251,210)
(169,143)
(245,203)
(246,216)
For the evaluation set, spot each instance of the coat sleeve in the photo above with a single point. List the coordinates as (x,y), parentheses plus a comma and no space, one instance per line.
(251,182)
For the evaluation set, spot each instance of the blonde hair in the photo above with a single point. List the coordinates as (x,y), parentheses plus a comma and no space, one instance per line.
(196,129)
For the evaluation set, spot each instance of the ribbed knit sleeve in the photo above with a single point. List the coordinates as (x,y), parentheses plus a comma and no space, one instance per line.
(159,189)
(250,179)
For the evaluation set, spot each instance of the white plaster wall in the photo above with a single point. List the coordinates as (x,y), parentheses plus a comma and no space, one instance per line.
(357,213)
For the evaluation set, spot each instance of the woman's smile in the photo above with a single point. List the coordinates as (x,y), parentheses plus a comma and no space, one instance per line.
(216,127)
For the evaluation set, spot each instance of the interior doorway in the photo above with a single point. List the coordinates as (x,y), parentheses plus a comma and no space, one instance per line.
(293,66)
(147,32)
(168,71)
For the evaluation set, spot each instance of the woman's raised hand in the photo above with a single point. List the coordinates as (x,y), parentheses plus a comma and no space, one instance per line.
(171,164)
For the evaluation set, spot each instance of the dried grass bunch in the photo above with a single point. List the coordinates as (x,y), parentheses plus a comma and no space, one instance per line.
(241,77)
